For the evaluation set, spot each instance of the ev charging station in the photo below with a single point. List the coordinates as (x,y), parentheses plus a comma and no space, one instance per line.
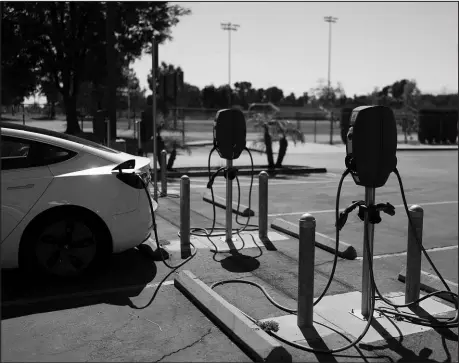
(371,148)
(229,141)
(370,157)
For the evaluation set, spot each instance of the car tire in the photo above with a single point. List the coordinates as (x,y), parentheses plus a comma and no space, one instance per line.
(56,250)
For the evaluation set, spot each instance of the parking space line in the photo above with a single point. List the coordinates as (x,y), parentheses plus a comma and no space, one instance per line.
(20,302)
(333,210)
(428,250)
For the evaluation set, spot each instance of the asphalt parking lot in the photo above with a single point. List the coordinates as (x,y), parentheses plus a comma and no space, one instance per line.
(429,180)
(125,315)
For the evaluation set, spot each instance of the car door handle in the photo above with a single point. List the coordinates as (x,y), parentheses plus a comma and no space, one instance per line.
(28,186)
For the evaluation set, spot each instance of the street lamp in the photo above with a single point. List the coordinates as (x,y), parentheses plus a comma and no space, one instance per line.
(229,27)
(329,20)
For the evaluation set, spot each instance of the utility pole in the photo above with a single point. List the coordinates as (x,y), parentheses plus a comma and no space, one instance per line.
(111,66)
(329,20)
(229,27)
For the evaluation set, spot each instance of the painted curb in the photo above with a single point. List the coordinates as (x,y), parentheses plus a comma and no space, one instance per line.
(258,344)
(345,250)
(245,213)
(431,283)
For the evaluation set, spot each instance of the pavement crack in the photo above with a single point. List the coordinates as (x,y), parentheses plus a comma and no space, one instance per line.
(185,347)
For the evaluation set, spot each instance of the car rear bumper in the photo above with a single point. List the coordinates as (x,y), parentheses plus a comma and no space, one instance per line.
(133,228)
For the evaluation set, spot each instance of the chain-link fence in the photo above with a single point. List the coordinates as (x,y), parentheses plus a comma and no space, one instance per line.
(188,125)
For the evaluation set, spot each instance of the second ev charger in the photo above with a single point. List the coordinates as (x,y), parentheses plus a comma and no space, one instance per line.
(371,157)
(229,141)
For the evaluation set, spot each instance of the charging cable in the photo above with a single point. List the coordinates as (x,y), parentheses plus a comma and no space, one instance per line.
(155,231)
(211,232)
(294,311)
(439,322)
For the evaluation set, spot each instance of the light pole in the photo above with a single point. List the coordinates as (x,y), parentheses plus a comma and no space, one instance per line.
(229,27)
(329,20)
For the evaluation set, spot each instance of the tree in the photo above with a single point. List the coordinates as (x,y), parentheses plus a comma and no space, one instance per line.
(261,95)
(397,89)
(164,103)
(222,96)
(19,74)
(67,40)
(326,96)
(303,99)
(49,90)
(411,94)
(290,100)
(244,93)
(191,96)
(274,129)
(274,95)
(208,96)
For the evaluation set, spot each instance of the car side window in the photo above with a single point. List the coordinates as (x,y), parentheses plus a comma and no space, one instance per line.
(14,153)
(21,153)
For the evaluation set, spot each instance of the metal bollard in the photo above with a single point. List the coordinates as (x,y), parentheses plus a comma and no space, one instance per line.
(315,130)
(107,120)
(263,205)
(139,140)
(306,271)
(331,129)
(413,255)
(185,246)
(163,173)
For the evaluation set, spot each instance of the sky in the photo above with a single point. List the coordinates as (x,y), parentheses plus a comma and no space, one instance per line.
(285,44)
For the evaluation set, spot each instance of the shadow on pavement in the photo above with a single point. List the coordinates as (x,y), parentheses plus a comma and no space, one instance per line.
(396,345)
(125,276)
(239,263)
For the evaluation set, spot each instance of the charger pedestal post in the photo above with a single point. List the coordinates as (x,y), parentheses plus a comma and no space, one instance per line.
(368,235)
(229,204)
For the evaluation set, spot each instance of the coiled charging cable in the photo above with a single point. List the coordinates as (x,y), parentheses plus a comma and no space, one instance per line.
(440,322)
(210,232)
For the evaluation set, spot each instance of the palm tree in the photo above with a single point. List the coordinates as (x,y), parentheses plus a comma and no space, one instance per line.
(275,130)
(170,143)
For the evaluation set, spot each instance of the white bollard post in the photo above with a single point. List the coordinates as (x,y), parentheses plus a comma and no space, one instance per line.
(163,173)
(306,271)
(413,255)
(185,246)
(263,205)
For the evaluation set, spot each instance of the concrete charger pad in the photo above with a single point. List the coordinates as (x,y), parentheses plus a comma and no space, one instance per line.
(333,315)
(240,241)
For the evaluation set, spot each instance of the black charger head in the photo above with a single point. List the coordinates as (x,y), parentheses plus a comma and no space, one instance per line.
(371,145)
(230,133)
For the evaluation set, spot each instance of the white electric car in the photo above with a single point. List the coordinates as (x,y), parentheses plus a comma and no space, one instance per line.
(66,205)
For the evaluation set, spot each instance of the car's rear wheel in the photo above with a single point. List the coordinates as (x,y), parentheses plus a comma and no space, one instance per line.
(67,246)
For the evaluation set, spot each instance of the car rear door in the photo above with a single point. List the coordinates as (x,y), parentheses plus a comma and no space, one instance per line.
(23,181)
